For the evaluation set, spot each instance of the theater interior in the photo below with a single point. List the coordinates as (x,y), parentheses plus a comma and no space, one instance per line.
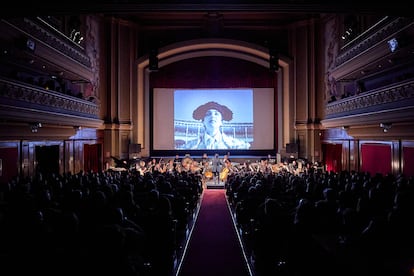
(110,86)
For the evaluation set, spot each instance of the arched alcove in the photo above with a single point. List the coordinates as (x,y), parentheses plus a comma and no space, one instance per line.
(204,48)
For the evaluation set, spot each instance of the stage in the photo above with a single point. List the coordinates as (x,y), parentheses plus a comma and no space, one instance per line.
(214,184)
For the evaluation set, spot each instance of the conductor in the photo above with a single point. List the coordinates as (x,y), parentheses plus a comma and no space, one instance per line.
(216,165)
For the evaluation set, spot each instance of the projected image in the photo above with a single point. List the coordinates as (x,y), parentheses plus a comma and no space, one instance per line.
(213,119)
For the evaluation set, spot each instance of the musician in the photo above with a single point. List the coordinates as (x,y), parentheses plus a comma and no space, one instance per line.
(186,162)
(204,162)
(170,167)
(151,165)
(195,167)
(245,167)
(264,166)
(226,158)
(216,165)
(177,162)
(212,115)
(204,159)
(160,166)
(141,167)
(293,166)
(270,159)
(177,159)
(227,168)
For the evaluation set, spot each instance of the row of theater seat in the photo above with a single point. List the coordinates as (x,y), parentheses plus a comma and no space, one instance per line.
(325,223)
(121,223)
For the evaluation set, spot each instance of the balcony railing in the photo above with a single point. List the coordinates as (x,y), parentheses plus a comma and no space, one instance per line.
(391,103)
(21,101)
(372,37)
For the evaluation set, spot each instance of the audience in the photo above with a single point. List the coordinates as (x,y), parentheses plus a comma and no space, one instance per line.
(115,223)
(128,223)
(324,223)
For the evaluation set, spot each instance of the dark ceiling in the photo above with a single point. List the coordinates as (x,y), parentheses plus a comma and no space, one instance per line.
(135,7)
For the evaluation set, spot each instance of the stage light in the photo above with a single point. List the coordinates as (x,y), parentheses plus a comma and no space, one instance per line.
(35,126)
(385,126)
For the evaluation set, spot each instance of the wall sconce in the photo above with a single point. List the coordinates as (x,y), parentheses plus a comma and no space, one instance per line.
(385,126)
(34,127)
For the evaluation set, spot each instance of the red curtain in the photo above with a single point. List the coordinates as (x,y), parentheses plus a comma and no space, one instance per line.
(333,157)
(9,164)
(91,157)
(213,72)
(376,158)
(408,155)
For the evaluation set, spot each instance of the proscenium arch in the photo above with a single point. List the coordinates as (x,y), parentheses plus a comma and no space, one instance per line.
(202,48)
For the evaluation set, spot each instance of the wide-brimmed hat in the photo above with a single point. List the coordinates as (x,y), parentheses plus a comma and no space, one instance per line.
(201,111)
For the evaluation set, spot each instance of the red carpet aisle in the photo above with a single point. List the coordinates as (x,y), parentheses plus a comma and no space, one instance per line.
(214,247)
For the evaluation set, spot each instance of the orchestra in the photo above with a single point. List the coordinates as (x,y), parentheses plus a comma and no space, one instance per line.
(203,166)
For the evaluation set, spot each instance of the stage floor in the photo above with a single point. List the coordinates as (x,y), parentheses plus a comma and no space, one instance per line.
(213,184)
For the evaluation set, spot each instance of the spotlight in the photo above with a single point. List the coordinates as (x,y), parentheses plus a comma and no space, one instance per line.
(385,126)
(35,126)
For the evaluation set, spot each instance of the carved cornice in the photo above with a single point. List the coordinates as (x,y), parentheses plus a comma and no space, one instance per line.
(374,100)
(24,96)
(372,38)
(390,104)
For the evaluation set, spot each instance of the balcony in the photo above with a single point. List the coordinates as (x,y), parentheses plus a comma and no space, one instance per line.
(370,52)
(393,103)
(25,103)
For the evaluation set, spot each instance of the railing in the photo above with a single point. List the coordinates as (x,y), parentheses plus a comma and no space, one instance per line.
(185,130)
(29,98)
(51,37)
(372,37)
(387,102)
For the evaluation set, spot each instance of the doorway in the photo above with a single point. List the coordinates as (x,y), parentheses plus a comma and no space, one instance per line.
(47,159)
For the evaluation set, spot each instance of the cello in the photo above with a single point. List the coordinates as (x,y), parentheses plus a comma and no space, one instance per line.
(225,171)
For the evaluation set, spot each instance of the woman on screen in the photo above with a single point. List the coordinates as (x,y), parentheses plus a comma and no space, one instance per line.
(212,115)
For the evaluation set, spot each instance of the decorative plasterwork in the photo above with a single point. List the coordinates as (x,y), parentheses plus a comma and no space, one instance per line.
(381,104)
(27,97)
(371,99)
